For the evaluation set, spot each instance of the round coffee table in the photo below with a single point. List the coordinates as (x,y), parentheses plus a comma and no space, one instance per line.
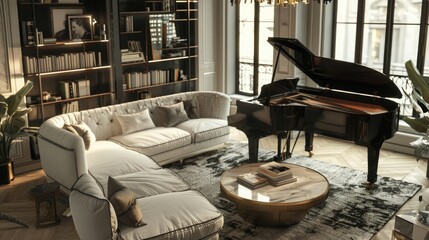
(275,206)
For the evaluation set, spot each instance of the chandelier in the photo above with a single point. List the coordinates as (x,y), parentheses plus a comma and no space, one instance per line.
(283,3)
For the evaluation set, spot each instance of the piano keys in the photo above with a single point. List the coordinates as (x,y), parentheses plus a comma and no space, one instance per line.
(350,103)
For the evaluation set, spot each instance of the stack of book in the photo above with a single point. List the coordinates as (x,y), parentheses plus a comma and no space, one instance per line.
(276,173)
(252,180)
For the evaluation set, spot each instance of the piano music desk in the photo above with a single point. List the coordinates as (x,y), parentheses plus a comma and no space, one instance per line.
(275,206)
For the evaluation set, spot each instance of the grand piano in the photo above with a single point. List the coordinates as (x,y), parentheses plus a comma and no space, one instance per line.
(350,103)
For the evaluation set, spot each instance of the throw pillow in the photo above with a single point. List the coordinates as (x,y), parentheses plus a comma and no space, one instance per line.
(123,201)
(190,107)
(168,116)
(134,122)
(82,130)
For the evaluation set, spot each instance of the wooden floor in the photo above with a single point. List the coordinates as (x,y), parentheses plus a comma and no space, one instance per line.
(15,199)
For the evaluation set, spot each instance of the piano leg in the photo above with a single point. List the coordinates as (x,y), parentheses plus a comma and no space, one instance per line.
(309,142)
(373,157)
(253,148)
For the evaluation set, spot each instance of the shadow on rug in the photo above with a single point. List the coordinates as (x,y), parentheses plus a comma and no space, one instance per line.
(350,211)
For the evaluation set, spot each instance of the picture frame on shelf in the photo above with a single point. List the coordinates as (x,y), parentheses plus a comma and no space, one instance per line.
(59,21)
(80,27)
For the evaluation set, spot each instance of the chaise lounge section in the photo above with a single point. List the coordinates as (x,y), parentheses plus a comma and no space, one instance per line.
(129,143)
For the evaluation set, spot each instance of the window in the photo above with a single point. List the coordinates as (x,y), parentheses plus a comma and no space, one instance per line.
(383,35)
(255,24)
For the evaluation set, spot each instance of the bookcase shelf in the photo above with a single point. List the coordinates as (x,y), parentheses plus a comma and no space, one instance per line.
(52,55)
(167,37)
(152,36)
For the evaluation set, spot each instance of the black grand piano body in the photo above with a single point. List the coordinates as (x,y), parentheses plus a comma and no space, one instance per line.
(275,110)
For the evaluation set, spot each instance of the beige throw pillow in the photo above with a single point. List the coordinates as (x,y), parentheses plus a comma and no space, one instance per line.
(134,122)
(83,131)
(168,116)
(123,201)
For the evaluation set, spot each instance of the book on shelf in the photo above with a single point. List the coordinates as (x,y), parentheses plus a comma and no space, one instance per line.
(71,89)
(252,180)
(69,107)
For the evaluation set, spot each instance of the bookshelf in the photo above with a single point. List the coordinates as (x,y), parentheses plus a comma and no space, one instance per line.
(133,49)
(162,34)
(68,66)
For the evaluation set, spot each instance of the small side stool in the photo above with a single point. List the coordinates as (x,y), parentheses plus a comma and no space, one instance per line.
(46,205)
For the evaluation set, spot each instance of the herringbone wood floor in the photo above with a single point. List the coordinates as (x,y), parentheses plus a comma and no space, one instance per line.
(15,200)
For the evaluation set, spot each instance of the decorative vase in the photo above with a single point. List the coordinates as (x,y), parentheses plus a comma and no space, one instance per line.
(7,173)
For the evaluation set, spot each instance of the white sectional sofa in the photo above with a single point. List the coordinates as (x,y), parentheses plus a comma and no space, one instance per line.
(131,148)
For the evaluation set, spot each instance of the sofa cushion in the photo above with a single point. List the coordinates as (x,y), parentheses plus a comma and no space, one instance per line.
(93,215)
(190,107)
(178,215)
(203,129)
(168,116)
(123,201)
(82,130)
(134,122)
(153,182)
(154,141)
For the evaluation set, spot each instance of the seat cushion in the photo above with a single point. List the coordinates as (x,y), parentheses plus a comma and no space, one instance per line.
(203,129)
(153,182)
(178,215)
(154,141)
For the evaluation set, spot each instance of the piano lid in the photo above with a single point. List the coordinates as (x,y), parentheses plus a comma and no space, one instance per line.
(335,74)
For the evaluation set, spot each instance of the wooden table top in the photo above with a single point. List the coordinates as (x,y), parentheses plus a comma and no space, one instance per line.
(310,188)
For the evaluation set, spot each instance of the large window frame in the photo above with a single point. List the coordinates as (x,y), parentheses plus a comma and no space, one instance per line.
(389,33)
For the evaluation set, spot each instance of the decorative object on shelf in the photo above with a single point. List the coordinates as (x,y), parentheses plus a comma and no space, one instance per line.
(283,3)
(59,21)
(46,206)
(11,127)
(80,27)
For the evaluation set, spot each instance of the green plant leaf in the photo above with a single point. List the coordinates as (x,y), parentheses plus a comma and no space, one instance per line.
(3,109)
(419,82)
(418,124)
(21,112)
(14,100)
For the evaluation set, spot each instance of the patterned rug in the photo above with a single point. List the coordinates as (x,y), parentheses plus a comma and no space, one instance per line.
(350,211)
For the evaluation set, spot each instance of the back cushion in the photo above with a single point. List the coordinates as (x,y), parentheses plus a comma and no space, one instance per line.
(93,215)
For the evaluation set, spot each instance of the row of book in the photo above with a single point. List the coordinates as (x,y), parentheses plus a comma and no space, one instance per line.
(155,77)
(127,23)
(72,89)
(69,107)
(129,56)
(273,173)
(65,61)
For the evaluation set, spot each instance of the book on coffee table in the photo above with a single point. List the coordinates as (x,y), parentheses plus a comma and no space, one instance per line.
(276,173)
(252,180)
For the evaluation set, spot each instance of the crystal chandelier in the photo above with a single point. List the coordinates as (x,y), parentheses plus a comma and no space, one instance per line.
(283,3)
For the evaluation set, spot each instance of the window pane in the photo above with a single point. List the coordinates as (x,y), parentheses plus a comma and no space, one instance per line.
(407,11)
(373,46)
(345,42)
(375,11)
(266,29)
(404,47)
(347,10)
(246,42)
(426,69)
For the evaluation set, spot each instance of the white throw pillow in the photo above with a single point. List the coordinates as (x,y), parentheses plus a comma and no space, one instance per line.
(82,130)
(134,122)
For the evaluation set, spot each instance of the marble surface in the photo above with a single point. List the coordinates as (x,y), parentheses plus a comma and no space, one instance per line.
(310,185)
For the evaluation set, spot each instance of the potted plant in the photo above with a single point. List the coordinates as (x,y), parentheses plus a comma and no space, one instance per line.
(419,99)
(12,126)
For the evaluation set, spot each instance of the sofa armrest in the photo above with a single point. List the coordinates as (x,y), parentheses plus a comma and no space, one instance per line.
(62,154)
(213,105)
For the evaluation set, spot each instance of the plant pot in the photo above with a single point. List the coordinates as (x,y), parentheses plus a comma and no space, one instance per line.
(7,173)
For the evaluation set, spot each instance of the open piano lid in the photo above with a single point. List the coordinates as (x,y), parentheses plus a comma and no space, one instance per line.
(335,74)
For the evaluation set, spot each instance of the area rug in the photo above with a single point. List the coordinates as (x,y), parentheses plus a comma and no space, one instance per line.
(350,211)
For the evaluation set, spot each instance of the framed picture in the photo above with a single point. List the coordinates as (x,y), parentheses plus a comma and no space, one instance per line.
(80,27)
(59,21)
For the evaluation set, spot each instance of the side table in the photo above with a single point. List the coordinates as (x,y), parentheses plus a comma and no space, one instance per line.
(407,227)
(46,206)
